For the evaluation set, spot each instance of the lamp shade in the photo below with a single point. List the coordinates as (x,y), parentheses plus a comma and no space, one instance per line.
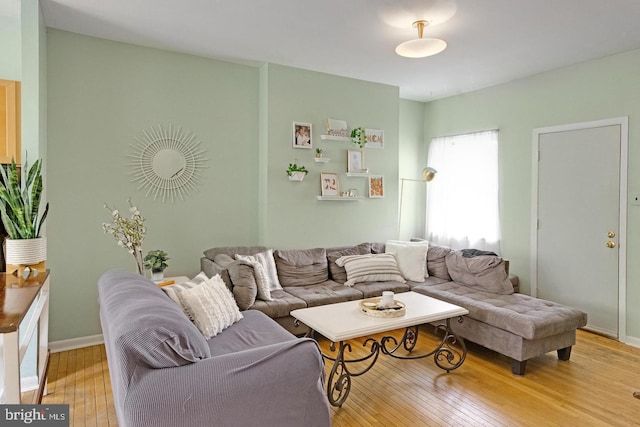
(421,48)
(428,174)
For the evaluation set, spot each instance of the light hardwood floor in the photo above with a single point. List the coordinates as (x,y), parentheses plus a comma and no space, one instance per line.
(594,388)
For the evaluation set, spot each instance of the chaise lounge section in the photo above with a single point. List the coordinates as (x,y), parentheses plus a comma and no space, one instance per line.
(516,325)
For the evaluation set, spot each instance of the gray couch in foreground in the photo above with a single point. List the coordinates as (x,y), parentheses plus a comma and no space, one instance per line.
(164,373)
(516,325)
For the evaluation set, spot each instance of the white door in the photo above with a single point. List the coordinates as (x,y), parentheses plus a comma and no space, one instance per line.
(579,220)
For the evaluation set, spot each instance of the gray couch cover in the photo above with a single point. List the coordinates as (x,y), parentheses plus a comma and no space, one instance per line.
(164,373)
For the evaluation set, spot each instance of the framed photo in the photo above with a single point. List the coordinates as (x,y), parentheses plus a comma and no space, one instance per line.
(337,127)
(376,186)
(302,135)
(355,161)
(329,184)
(375,138)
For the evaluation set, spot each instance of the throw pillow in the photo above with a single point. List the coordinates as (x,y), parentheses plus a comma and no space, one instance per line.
(370,268)
(211,306)
(436,264)
(338,273)
(262,284)
(173,290)
(245,287)
(302,267)
(411,257)
(268,263)
(487,272)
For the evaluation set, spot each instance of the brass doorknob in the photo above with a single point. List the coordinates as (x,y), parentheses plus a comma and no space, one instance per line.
(610,244)
(611,234)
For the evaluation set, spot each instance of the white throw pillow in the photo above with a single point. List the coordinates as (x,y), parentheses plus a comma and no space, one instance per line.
(412,258)
(172,291)
(211,306)
(268,263)
(370,268)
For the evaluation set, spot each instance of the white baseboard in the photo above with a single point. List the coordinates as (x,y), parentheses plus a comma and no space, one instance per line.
(633,341)
(73,343)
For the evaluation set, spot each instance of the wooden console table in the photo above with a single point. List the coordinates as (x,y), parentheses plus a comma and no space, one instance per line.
(17,297)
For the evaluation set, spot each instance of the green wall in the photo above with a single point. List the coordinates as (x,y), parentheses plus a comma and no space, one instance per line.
(101,96)
(10,46)
(293,217)
(599,89)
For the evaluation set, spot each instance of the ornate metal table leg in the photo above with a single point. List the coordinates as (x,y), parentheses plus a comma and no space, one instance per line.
(636,394)
(446,356)
(339,380)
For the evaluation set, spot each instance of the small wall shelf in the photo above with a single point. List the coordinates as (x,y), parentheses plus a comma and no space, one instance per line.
(339,198)
(357,174)
(321,160)
(336,138)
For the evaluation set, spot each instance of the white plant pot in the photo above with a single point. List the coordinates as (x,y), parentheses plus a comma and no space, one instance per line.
(26,251)
(157,275)
(297,176)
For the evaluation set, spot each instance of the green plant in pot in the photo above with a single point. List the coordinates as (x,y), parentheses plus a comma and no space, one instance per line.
(359,136)
(156,261)
(20,213)
(295,172)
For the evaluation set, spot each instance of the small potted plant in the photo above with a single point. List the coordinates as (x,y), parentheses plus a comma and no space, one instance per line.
(319,153)
(359,137)
(156,261)
(295,172)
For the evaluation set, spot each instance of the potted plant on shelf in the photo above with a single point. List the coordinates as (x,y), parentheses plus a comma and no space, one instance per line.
(359,136)
(19,209)
(156,261)
(295,172)
(319,153)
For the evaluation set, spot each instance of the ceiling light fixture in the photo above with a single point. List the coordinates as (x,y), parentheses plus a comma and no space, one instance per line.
(421,48)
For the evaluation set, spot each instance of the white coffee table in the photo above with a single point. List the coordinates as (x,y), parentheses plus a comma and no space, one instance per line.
(344,321)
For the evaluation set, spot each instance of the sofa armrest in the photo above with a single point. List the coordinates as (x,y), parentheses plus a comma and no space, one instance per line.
(278,384)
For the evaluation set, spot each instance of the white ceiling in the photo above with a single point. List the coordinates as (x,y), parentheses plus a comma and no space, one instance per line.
(489,41)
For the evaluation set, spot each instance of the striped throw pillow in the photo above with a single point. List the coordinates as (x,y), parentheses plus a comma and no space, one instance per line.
(211,306)
(370,268)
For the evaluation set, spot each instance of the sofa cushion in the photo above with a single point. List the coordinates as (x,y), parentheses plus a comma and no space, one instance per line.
(302,267)
(375,289)
(265,259)
(411,257)
(280,306)
(263,289)
(370,268)
(328,292)
(520,314)
(211,306)
(339,274)
(148,327)
(487,272)
(436,264)
(245,287)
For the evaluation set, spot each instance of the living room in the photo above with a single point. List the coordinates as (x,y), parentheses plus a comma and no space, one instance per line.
(88,98)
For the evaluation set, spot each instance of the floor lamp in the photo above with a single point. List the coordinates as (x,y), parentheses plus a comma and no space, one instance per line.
(428,174)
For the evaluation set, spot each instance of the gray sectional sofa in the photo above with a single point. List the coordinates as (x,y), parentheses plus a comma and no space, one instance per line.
(164,373)
(501,319)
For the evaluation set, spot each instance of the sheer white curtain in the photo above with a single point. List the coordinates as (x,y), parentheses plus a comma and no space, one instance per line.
(462,202)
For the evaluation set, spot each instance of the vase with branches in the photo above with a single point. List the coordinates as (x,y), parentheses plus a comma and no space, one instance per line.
(129,232)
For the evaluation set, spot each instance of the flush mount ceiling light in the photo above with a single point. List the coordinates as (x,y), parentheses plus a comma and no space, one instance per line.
(420,48)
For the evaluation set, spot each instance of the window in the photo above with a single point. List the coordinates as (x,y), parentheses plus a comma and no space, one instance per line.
(462,202)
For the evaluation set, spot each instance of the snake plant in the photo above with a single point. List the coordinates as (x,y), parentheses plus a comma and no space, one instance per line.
(19,207)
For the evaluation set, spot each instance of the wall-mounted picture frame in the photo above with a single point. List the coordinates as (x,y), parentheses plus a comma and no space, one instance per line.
(375,138)
(329,184)
(302,135)
(376,186)
(355,161)
(337,127)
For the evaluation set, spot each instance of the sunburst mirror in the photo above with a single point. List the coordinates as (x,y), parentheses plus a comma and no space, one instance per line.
(167,163)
